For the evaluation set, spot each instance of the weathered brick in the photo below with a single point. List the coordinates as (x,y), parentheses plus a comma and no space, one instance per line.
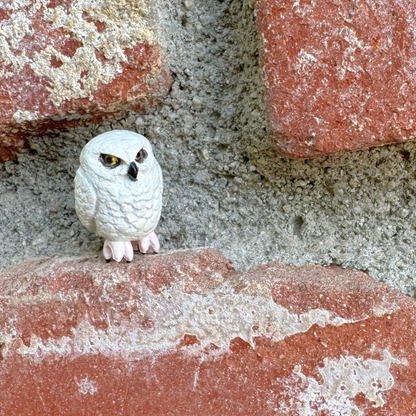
(65,63)
(339,75)
(184,334)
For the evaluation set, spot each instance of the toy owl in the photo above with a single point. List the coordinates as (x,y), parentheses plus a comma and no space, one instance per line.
(118,193)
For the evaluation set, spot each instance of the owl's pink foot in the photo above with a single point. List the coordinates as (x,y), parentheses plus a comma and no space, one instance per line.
(117,250)
(144,243)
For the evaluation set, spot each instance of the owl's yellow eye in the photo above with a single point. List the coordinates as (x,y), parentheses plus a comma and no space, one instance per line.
(109,161)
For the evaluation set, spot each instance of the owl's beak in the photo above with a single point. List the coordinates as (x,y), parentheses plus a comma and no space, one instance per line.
(133,171)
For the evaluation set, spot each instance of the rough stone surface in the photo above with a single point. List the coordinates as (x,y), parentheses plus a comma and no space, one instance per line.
(339,75)
(184,334)
(64,63)
(225,186)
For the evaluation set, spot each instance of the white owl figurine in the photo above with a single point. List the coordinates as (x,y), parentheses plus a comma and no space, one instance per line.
(118,193)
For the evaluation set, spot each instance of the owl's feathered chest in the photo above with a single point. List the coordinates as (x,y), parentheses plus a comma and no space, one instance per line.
(126,192)
(127,210)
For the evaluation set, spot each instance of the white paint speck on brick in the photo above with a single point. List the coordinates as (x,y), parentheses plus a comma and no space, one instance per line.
(21,116)
(343,379)
(86,386)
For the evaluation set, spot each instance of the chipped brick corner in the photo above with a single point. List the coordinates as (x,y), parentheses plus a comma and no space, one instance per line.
(338,76)
(65,64)
(183,333)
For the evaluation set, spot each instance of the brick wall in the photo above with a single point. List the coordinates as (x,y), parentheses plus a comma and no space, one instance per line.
(184,332)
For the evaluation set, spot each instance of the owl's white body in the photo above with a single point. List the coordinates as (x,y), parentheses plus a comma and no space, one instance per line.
(110,203)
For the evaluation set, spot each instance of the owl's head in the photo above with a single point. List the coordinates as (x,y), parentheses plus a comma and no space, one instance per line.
(118,153)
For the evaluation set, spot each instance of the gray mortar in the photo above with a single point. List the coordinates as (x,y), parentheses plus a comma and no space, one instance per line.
(225,187)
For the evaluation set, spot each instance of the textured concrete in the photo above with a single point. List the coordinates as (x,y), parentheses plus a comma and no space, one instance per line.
(224,185)
(184,334)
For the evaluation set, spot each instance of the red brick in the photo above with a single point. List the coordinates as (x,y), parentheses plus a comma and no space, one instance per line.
(50,89)
(184,334)
(339,75)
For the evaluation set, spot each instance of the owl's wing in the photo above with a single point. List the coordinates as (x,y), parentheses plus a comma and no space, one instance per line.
(85,201)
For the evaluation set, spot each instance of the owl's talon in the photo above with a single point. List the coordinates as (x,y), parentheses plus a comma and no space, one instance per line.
(117,250)
(144,243)
(108,260)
